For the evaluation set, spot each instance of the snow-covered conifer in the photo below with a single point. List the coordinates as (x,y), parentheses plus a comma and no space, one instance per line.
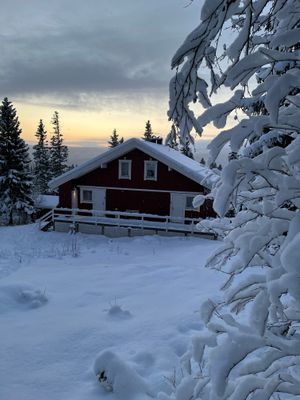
(16,204)
(41,160)
(257,356)
(114,139)
(58,151)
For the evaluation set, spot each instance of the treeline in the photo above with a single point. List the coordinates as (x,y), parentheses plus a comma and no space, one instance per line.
(21,178)
(172,140)
(49,160)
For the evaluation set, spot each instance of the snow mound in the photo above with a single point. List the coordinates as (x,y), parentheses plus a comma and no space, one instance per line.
(144,359)
(118,377)
(188,324)
(117,312)
(19,296)
(179,344)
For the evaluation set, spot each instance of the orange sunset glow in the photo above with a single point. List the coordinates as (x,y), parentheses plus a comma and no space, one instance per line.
(94,125)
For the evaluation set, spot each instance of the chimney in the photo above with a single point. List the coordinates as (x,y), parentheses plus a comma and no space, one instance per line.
(156,139)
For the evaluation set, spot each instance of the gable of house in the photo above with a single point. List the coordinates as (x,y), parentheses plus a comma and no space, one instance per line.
(170,157)
(165,177)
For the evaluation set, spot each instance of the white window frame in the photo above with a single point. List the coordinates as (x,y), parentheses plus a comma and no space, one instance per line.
(82,189)
(151,162)
(129,169)
(190,208)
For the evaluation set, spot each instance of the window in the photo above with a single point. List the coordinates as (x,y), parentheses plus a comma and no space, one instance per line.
(189,203)
(124,169)
(150,171)
(87,196)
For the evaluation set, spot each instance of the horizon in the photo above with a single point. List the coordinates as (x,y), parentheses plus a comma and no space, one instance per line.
(79,153)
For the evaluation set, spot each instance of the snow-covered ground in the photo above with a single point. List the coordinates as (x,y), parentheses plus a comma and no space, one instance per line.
(64,300)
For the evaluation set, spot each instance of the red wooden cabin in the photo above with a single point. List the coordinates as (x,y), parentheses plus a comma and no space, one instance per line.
(138,176)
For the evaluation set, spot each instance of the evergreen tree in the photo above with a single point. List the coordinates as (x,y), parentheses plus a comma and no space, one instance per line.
(41,161)
(250,346)
(58,151)
(16,204)
(186,149)
(172,138)
(114,139)
(148,134)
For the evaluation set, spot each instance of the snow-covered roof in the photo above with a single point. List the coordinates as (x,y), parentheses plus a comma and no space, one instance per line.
(173,158)
(46,201)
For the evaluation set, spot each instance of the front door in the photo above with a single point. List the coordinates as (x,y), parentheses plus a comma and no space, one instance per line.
(99,199)
(177,207)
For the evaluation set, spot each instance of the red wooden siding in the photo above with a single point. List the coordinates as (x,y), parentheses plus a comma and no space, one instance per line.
(144,202)
(65,194)
(166,180)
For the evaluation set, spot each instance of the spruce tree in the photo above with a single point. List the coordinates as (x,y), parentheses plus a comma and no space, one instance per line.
(41,161)
(114,139)
(16,204)
(172,138)
(148,134)
(58,151)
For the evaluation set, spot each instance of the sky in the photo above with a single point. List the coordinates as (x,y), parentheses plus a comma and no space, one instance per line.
(102,64)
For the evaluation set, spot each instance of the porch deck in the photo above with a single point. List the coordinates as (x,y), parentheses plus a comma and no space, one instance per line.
(124,223)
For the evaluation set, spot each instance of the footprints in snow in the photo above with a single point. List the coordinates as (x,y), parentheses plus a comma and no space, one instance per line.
(21,297)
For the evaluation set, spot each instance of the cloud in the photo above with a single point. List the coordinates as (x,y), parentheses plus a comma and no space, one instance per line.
(76,67)
(73,49)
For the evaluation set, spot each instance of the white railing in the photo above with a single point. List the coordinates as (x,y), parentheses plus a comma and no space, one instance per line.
(46,218)
(121,218)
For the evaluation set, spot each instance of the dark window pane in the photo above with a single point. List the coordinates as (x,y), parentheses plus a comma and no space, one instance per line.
(87,195)
(189,202)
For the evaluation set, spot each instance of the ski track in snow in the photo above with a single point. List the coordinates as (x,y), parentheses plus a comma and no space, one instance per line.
(135,297)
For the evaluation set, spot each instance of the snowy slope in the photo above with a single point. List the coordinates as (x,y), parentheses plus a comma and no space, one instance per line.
(136,297)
